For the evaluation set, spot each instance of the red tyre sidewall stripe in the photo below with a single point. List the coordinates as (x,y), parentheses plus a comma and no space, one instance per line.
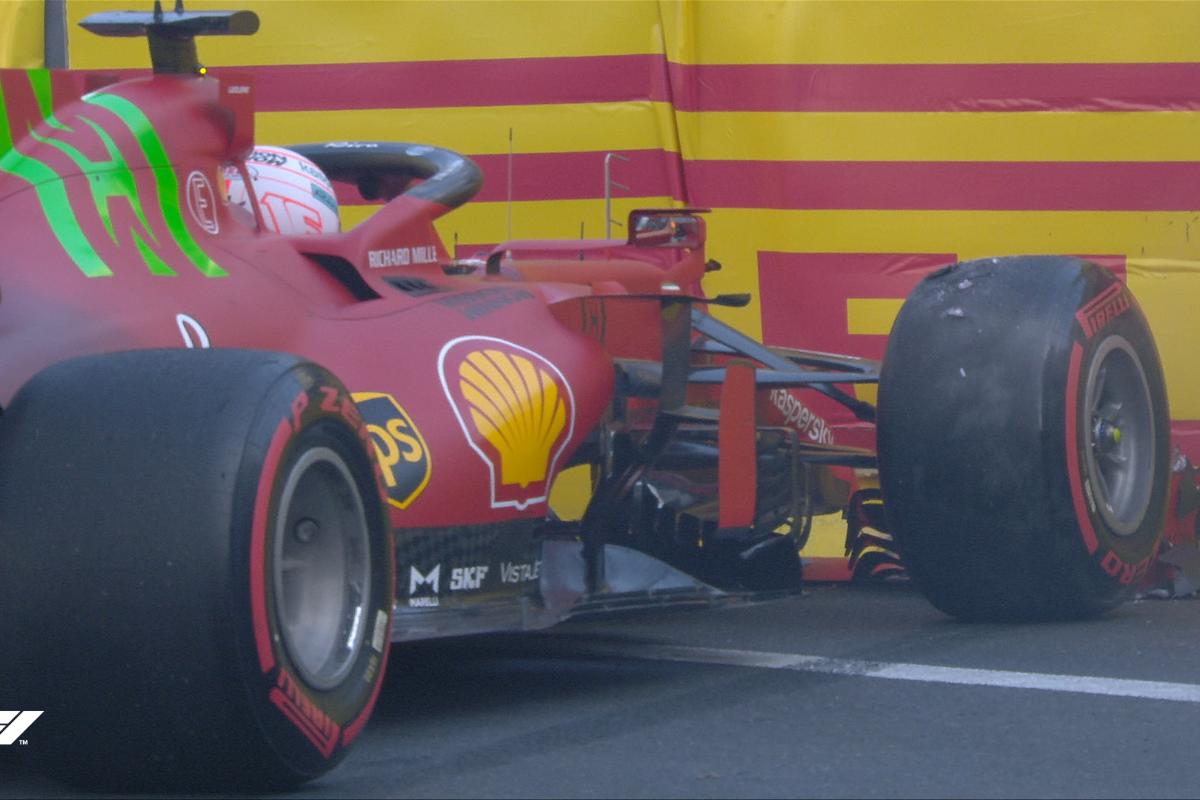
(258,545)
(1077,496)
(258,555)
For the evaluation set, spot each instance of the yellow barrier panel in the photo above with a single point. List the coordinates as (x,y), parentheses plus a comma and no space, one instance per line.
(942,136)
(481,129)
(21,27)
(928,31)
(365,31)
(889,127)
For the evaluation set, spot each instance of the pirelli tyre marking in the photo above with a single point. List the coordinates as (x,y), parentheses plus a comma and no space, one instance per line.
(315,569)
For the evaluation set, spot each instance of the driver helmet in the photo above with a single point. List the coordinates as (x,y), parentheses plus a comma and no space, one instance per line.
(294,194)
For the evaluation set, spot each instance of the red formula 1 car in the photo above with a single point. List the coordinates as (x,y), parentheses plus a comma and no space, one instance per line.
(235,466)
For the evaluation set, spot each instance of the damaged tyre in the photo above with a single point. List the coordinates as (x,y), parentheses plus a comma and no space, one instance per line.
(1024,439)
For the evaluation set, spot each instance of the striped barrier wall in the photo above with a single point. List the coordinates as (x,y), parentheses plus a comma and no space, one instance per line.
(846,147)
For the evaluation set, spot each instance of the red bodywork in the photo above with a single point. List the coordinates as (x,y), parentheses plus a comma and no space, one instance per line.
(478,380)
(118,238)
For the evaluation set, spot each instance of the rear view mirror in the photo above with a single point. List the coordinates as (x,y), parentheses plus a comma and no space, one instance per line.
(665,229)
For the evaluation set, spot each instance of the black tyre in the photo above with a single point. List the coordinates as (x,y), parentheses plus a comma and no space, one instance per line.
(197,573)
(1023,439)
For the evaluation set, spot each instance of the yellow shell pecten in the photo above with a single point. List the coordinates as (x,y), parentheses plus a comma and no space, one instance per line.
(516,406)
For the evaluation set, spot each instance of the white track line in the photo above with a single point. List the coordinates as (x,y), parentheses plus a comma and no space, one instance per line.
(1076,684)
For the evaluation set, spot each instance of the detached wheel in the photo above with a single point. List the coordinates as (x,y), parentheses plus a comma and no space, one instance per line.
(197,578)
(1024,439)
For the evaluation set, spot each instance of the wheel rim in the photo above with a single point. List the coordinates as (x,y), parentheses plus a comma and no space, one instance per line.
(1120,435)
(322,569)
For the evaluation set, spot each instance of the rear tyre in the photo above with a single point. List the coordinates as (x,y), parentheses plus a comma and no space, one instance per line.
(198,574)
(1023,439)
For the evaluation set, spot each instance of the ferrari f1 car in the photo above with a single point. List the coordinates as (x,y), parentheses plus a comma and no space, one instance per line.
(237,465)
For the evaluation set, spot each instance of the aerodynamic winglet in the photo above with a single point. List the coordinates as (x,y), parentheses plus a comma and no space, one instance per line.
(172,33)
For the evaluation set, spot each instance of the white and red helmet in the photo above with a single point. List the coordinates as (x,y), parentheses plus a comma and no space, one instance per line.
(294,194)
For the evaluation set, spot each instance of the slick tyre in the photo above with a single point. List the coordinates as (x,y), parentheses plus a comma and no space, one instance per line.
(198,574)
(1023,439)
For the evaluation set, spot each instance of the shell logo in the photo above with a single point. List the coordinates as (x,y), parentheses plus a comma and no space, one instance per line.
(516,410)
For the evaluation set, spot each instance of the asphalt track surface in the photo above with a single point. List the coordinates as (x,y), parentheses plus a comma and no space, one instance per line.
(843,692)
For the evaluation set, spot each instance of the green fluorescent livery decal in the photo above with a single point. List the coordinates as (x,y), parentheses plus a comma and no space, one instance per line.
(164,177)
(6,142)
(52,194)
(39,80)
(112,178)
(107,179)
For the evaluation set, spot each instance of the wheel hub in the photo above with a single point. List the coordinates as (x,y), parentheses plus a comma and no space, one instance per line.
(1120,451)
(321,568)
